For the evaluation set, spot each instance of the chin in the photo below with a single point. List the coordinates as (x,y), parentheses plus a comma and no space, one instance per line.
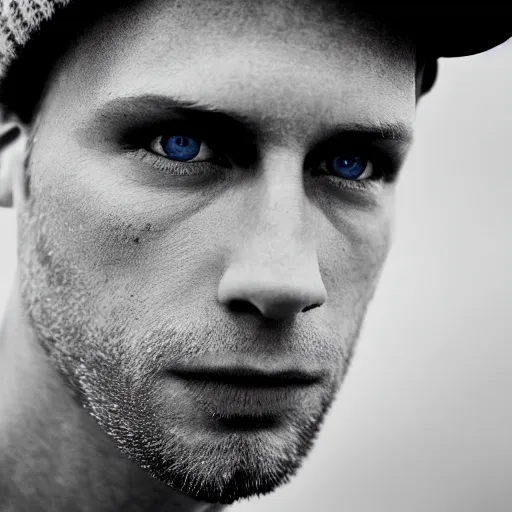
(216,458)
(228,464)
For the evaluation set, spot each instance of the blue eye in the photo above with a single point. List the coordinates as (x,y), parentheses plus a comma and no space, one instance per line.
(351,167)
(182,148)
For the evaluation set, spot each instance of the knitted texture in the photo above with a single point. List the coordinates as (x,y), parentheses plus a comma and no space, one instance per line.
(457,31)
(19,19)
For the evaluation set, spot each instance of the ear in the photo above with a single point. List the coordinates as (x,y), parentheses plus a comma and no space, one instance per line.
(426,76)
(13,150)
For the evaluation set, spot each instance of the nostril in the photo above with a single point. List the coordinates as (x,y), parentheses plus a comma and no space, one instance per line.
(243,306)
(307,308)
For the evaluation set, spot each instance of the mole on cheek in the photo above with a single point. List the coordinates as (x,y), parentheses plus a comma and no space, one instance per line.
(135,235)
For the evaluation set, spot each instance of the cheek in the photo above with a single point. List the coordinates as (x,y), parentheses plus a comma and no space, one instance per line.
(355,248)
(57,295)
(370,240)
(135,242)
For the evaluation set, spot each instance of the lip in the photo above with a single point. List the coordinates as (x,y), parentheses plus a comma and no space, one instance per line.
(249,377)
(229,392)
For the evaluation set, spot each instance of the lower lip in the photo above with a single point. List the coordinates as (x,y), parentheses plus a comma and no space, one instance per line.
(228,401)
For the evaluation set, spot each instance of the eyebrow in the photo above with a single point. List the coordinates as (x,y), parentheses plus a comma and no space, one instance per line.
(384,130)
(152,108)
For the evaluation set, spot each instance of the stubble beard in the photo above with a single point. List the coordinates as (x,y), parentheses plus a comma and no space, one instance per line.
(109,382)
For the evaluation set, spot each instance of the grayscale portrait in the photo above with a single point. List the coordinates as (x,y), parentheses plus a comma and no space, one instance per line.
(205,196)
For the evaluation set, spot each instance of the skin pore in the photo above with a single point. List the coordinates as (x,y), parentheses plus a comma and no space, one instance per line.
(132,265)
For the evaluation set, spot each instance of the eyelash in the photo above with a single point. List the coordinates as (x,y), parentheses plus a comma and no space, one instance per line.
(173,166)
(383,169)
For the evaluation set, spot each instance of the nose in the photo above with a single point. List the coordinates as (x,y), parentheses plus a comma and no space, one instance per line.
(274,270)
(274,297)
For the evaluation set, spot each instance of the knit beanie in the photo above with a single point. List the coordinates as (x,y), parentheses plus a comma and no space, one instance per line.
(19,19)
(33,33)
(445,29)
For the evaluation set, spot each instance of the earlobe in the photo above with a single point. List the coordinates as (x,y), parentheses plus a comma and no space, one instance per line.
(13,146)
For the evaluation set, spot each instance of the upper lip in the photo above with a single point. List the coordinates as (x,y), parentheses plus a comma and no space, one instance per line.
(249,377)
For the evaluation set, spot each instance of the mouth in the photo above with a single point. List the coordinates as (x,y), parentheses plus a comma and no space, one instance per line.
(249,377)
(241,398)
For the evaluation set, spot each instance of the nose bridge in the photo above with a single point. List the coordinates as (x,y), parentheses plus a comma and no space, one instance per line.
(273,263)
(282,230)
(278,231)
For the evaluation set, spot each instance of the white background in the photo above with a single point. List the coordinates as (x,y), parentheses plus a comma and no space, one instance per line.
(424,420)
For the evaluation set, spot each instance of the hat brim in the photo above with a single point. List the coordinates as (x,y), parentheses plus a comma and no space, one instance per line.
(449,29)
(464,36)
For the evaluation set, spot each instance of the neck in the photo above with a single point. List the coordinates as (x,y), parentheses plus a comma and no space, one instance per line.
(53,456)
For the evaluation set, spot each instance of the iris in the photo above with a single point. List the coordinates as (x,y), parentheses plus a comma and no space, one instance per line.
(181,147)
(349,167)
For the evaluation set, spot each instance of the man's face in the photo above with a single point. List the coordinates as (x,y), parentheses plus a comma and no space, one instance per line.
(140,271)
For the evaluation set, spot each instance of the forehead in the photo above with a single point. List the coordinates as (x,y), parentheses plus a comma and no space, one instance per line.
(286,59)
